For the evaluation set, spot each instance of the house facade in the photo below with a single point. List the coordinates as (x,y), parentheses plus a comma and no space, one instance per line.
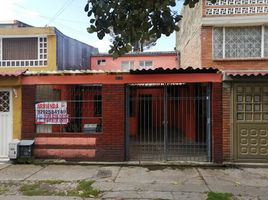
(232,36)
(159,115)
(26,48)
(135,61)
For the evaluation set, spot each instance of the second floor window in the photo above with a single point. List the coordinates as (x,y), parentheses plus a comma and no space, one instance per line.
(20,48)
(101,62)
(240,42)
(146,63)
(127,65)
(23,51)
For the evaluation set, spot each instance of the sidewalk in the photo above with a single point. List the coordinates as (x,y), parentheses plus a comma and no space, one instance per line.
(123,182)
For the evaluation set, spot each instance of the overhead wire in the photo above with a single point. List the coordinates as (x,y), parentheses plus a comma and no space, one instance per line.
(26,10)
(64,6)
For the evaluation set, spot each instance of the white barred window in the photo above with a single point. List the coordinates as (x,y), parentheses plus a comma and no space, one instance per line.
(237,10)
(266,41)
(235,2)
(236,7)
(218,42)
(240,42)
(23,51)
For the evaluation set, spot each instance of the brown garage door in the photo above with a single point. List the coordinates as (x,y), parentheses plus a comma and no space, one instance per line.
(251,122)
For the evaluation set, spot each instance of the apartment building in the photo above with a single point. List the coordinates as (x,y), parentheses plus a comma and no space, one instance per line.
(232,35)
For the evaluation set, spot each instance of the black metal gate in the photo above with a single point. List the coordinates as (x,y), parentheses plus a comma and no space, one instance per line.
(168,122)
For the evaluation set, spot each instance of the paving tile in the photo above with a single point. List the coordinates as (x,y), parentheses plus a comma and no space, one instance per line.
(18,172)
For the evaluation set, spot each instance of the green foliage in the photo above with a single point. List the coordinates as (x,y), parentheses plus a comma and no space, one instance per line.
(35,189)
(219,196)
(52,188)
(3,190)
(133,22)
(27,160)
(86,190)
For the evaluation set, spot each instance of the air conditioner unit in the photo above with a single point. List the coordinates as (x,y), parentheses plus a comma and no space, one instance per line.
(13,151)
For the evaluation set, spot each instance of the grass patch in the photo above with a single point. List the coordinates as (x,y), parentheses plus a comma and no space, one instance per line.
(27,160)
(34,190)
(53,182)
(41,188)
(54,188)
(219,196)
(3,191)
(84,189)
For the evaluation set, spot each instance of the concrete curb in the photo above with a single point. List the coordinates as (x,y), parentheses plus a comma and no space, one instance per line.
(173,164)
(131,163)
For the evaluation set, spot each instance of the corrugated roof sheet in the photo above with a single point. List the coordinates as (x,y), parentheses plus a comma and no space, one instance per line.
(246,73)
(74,72)
(137,71)
(12,74)
(151,53)
(177,70)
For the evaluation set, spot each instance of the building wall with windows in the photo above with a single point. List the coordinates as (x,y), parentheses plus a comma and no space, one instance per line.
(243,48)
(27,48)
(144,60)
(22,48)
(40,48)
(233,38)
(92,131)
(230,34)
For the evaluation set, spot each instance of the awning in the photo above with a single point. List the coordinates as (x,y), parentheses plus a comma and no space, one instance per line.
(168,70)
(247,73)
(12,74)
(159,75)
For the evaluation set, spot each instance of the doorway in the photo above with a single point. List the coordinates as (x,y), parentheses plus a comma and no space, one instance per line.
(5,121)
(168,122)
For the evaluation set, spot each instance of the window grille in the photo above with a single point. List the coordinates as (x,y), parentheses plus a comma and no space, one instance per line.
(218,42)
(97,105)
(243,42)
(235,2)
(68,108)
(237,10)
(4,101)
(237,7)
(239,42)
(42,51)
(266,41)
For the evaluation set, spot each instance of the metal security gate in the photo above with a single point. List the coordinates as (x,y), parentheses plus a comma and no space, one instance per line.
(251,122)
(5,121)
(168,122)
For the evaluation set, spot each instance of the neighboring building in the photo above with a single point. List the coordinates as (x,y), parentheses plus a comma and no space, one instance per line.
(133,61)
(232,35)
(40,49)
(24,47)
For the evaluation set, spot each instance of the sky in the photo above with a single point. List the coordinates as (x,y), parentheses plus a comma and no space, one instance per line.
(69,17)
